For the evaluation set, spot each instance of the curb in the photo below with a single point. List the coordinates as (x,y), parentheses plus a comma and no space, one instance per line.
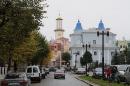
(87,82)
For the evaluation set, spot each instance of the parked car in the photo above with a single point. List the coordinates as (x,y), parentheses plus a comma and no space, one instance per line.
(97,73)
(46,71)
(80,71)
(119,77)
(52,69)
(127,75)
(34,73)
(16,79)
(59,74)
(43,73)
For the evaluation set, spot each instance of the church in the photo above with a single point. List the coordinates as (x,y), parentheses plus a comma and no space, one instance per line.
(80,37)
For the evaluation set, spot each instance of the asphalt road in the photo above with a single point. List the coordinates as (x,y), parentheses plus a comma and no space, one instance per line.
(69,81)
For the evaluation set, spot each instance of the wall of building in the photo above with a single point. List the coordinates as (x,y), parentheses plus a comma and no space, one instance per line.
(90,37)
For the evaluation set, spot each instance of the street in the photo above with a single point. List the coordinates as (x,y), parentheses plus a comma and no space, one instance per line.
(69,81)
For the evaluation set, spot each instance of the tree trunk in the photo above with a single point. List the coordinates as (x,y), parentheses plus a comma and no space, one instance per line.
(15,66)
(9,61)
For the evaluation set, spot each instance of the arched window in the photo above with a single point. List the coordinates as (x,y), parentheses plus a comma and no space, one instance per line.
(95,53)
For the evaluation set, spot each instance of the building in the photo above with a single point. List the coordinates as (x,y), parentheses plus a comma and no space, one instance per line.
(60,44)
(82,37)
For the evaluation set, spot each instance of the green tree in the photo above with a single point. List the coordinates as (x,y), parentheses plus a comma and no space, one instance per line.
(18,18)
(87,58)
(116,58)
(66,57)
(43,50)
(24,52)
(82,61)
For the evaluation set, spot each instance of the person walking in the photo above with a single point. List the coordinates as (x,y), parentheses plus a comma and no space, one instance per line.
(108,73)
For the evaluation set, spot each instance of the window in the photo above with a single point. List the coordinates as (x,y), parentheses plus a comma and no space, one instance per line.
(94,41)
(120,46)
(112,53)
(29,70)
(35,70)
(95,53)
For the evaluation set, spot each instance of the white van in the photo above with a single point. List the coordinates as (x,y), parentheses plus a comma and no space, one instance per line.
(34,73)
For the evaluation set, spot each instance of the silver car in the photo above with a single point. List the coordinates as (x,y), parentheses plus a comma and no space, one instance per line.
(97,73)
(127,74)
(16,79)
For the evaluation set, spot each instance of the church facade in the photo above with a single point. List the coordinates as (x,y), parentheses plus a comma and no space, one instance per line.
(80,37)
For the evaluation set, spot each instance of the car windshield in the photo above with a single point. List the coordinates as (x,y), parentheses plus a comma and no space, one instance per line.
(14,76)
(122,68)
(59,71)
(98,69)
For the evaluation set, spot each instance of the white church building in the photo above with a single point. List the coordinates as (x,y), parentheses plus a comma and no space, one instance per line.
(82,37)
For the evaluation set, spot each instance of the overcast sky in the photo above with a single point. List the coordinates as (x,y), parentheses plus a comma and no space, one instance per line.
(114,13)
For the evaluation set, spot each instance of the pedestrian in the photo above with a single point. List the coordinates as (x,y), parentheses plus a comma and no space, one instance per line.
(113,72)
(108,73)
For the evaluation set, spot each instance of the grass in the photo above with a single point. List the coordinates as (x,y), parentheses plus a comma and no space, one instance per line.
(100,82)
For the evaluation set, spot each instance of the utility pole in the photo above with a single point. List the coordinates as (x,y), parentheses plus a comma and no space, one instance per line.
(103,33)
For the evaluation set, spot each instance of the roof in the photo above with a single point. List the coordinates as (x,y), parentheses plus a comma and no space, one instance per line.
(78,26)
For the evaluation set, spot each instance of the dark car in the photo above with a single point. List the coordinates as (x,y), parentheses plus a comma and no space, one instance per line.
(97,73)
(16,79)
(52,69)
(59,74)
(46,71)
(43,74)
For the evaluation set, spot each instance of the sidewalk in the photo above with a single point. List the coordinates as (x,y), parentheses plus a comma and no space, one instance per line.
(85,81)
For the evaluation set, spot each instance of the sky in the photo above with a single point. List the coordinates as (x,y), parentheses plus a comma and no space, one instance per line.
(114,13)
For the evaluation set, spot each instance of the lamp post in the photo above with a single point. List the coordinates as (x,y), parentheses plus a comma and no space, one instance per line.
(103,33)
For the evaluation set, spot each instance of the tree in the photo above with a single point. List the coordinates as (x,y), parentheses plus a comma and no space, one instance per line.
(115,58)
(18,18)
(66,57)
(47,59)
(82,62)
(87,58)
(24,52)
(42,50)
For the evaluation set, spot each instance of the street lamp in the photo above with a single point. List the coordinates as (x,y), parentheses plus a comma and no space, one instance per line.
(103,33)
(87,45)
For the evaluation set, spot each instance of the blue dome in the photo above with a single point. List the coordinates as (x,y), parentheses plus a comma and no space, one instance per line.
(78,26)
(101,25)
